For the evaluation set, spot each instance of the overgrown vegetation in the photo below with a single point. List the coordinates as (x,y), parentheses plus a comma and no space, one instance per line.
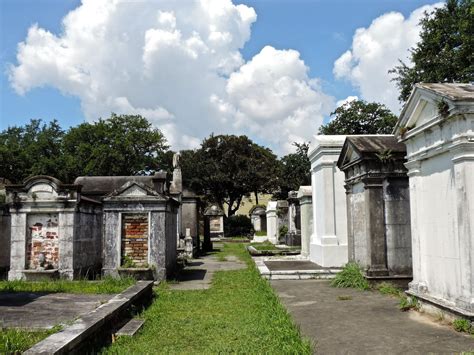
(240,313)
(261,233)
(107,285)
(407,303)
(16,341)
(387,288)
(463,325)
(351,276)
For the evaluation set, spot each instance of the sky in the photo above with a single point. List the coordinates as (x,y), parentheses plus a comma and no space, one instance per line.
(273,70)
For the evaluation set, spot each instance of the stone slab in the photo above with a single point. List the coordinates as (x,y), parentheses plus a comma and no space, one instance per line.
(45,310)
(130,328)
(292,265)
(367,323)
(89,325)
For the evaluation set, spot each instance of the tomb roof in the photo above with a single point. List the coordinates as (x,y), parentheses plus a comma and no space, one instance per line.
(376,143)
(453,91)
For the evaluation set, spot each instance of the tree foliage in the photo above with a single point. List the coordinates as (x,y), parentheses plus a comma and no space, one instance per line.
(119,145)
(294,170)
(226,168)
(445,52)
(360,117)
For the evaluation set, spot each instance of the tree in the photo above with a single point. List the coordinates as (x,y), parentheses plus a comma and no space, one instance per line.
(119,145)
(34,149)
(295,170)
(226,168)
(445,52)
(360,117)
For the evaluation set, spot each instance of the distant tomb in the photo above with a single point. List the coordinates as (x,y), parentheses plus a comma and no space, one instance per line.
(306,217)
(378,205)
(437,126)
(293,237)
(213,225)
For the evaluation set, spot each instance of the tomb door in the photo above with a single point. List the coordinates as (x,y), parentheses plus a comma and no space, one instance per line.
(134,240)
(42,245)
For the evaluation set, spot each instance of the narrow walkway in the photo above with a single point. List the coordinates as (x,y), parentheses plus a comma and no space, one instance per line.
(348,321)
(199,272)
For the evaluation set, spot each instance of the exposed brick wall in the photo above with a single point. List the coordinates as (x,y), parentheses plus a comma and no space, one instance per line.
(42,241)
(135,238)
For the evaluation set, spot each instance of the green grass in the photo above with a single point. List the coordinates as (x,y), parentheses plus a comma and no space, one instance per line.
(240,313)
(107,285)
(13,341)
(351,276)
(463,325)
(264,246)
(387,288)
(408,303)
(261,233)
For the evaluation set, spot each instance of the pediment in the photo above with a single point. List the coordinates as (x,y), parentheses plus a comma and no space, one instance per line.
(425,110)
(348,154)
(134,190)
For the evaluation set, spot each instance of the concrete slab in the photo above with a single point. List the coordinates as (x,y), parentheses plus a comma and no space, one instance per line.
(348,321)
(130,328)
(45,310)
(290,265)
(199,272)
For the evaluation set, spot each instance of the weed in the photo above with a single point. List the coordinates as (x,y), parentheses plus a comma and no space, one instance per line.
(407,303)
(344,298)
(387,288)
(351,276)
(16,341)
(261,233)
(462,325)
(127,262)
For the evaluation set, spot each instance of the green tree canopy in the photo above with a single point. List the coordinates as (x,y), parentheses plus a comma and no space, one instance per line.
(360,117)
(119,145)
(226,168)
(445,52)
(34,149)
(295,170)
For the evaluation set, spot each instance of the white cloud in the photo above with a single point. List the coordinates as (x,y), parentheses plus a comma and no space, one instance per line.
(177,63)
(375,50)
(346,100)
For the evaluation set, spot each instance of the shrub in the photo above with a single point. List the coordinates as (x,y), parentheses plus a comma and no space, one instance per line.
(283,231)
(238,225)
(462,325)
(351,276)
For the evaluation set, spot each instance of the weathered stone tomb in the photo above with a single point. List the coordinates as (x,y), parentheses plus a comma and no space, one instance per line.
(55,231)
(378,205)
(328,245)
(140,224)
(437,126)
(306,216)
(258,217)
(293,237)
(213,225)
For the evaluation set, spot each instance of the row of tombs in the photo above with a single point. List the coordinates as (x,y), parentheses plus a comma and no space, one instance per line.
(110,225)
(401,206)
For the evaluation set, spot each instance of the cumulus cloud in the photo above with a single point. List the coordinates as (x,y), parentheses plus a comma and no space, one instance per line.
(375,50)
(178,64)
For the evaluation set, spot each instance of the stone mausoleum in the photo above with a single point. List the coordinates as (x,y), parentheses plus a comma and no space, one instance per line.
(55,230)
(378,205)
(437,127)
(328,246)
(140,224)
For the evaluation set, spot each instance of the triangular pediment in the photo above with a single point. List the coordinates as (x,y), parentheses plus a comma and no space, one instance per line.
(425,110)
(134,190)
(348,154)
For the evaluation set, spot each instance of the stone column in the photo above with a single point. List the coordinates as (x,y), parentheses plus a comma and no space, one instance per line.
(66,244)
(306,210)
(375,225)
(18,245)
(272,222)
(328,246)
(112,240)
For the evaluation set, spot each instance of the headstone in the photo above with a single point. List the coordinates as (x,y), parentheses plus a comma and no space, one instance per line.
(378,205)
(437,126)
(328,245)
(306,214)
(213,225)
(293,237)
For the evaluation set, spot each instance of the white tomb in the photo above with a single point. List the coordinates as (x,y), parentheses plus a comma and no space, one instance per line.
(328,246)
(437,126)
(306,215)
(272,222)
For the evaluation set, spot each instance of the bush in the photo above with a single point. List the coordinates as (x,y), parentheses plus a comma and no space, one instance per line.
(408,303)
(283,231)
(351,276)
(238,225)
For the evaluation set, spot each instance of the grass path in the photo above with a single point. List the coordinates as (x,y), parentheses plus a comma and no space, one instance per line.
(240,313)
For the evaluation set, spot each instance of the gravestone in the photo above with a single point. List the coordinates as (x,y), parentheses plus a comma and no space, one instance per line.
(213,225)
(328,245)
(306,216)
(437,127)
(54,230)
(378,205)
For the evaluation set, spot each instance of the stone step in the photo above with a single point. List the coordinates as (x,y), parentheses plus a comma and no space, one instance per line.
(130,328)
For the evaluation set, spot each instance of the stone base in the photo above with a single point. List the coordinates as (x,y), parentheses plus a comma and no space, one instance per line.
(136,273)
(259,239)
(328,255)
(273,240)
(40,275)
(398,280)
(435,306)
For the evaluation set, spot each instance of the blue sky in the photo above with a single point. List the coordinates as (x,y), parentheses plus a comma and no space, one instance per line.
(320,31)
